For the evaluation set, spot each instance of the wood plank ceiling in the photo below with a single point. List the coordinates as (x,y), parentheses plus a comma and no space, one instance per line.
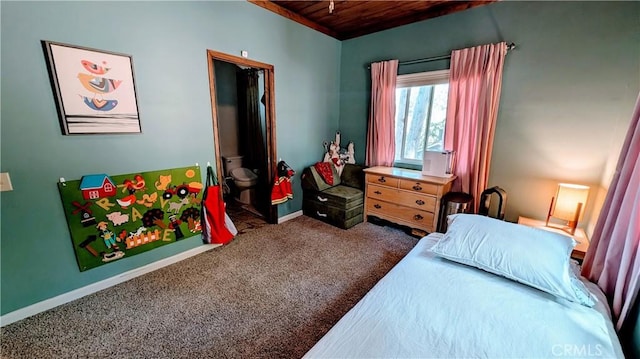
(353,18)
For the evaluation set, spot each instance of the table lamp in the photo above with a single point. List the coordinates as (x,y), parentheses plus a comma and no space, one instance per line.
(568,205)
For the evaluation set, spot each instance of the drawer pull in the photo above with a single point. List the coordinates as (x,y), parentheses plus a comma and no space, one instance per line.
(418,217)
(420,202)
(377,206)
(377,192)
(322,199)
(321,214)
(382,180)
(417,187)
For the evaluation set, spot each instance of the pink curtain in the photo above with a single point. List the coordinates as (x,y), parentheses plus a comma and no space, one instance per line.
(381,145)
(472,109)
(613,258)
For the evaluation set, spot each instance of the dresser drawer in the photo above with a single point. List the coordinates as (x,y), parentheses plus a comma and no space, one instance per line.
(403,198)
(382,193)
(383,180)
(421,202)
(408,216)
(420,187)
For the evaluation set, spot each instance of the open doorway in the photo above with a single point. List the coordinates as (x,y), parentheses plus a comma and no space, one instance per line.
(244,133)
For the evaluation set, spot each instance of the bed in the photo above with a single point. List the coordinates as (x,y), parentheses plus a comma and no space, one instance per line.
(432,304)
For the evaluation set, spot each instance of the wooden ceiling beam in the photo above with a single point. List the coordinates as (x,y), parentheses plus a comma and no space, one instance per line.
(271,6)
(435,11)
(353,18)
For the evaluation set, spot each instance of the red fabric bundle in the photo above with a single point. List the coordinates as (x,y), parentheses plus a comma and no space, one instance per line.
(213,213)
(325,171)
(282,191)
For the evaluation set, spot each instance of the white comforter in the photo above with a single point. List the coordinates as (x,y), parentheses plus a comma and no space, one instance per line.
(428,307)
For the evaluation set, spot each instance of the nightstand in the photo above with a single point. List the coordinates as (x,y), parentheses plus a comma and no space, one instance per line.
(583,242)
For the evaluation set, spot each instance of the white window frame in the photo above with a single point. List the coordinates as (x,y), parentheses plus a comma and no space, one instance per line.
(423,78)
(420,79)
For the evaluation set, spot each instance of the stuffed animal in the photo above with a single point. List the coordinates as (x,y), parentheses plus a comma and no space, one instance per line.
(338,156)
(351,156)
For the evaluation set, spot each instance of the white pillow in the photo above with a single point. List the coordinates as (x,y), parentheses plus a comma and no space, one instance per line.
(531,256)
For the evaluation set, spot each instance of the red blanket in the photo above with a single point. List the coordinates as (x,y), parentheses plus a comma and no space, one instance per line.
(325,171)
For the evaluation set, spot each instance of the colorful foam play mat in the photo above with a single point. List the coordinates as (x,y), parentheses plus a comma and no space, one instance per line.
(114,217)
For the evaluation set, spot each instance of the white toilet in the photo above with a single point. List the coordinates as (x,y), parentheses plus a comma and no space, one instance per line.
(244,179)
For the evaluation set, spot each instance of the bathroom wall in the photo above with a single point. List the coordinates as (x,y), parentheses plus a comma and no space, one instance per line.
(227,96)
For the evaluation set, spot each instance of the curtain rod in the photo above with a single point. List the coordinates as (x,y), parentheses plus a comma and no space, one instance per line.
(510,46)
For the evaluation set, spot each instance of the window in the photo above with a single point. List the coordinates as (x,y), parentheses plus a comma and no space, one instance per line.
(421,112)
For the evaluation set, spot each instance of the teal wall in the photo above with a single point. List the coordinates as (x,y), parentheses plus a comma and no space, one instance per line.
(568,88)
(168,42)
(633,346)
(567,96)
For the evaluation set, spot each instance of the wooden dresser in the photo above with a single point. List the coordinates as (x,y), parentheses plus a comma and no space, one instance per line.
(405,197)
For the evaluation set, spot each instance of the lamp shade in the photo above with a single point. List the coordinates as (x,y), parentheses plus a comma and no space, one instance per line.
(568,197)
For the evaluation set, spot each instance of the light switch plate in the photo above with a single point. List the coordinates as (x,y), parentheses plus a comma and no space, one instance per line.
(5,182)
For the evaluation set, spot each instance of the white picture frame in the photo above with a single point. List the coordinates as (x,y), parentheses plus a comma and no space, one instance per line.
(94,90)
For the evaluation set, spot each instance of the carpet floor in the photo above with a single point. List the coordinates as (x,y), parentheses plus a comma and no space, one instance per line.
(272,292)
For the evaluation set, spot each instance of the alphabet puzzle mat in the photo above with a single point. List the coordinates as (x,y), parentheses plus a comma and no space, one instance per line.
(114,217)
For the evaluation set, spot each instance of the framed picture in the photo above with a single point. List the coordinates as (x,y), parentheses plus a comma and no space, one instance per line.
(94,90)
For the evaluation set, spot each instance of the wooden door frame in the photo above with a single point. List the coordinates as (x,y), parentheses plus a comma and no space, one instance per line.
(270,114)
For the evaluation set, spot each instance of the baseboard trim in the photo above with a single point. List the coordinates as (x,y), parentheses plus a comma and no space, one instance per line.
(289,216)
(50,303)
